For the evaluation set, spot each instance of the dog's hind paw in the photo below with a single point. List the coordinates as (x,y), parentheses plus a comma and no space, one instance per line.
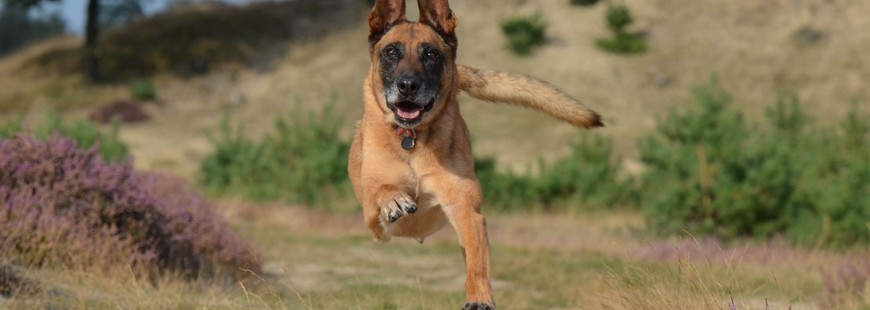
(396,207)
(473,305)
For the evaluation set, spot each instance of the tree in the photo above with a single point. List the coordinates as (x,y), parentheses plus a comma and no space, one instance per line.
(18,29)
(92,32)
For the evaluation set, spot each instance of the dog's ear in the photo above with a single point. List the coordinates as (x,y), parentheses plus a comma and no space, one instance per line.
(385,14)
(437,14)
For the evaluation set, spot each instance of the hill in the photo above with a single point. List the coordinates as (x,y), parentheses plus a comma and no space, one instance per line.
(757,50)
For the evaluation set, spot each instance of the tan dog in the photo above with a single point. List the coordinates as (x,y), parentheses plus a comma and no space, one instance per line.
(410,162)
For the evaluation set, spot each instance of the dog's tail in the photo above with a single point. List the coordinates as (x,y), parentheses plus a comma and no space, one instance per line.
(528,92)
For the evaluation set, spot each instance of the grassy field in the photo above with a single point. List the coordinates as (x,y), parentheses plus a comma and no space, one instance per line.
(585,260)
(316,260)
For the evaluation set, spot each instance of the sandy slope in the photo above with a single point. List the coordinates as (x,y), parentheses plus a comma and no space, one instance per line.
(751,46)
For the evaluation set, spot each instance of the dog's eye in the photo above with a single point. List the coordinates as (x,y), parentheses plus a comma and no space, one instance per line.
(391,52)
(433,55)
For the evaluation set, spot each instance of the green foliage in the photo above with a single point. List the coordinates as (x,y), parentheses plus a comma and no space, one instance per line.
(618,16)
(84,133)
(17,28)
(303,161)
(622,42)
(143,89)
(712,173)
(587,176)
(193,40)
(584,2)
(524,33)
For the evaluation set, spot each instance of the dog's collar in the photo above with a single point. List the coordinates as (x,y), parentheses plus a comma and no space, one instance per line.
(408,137)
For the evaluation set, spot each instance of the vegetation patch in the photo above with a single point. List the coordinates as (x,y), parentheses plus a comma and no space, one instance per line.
(83,133)
(712,173)
(588,176)
(63,206)
(303,161)
(618,17)
(190,41)
(524,33)
(584,2)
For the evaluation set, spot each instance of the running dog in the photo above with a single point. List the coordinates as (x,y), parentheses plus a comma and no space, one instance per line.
(410,161)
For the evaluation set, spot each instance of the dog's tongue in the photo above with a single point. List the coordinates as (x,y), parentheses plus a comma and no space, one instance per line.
(409,112)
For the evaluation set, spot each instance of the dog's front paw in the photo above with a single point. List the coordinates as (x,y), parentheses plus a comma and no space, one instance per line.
(474,305)
(397,206)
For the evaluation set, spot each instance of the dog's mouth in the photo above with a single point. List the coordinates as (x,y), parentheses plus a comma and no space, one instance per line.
(409,113)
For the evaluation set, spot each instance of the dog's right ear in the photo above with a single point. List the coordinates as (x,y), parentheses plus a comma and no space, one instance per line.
(385,14)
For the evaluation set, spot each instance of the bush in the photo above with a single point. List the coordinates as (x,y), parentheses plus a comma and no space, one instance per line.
(622,43)
(304,161)
(64,206)
(192,40)
(84,133)
(618,17)
(584,2)
(142,89)
(524,33)
(587,176)
(712,173)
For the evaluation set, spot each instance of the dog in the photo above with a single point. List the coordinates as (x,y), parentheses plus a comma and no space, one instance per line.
(410,161)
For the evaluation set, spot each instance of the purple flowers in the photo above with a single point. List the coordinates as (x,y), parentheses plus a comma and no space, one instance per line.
(60,205)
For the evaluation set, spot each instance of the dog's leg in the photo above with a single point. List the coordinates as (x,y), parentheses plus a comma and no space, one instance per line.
(460,200)
(386,205)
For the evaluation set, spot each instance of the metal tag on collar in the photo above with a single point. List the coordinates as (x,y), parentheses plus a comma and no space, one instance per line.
(408,136)
(408,143)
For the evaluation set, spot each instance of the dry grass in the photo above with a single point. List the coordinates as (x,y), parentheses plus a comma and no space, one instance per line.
(316,260)
(593,261)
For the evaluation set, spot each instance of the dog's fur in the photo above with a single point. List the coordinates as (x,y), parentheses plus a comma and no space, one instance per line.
(411,91)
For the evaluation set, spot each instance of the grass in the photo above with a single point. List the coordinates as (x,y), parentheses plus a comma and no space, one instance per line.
(316,260)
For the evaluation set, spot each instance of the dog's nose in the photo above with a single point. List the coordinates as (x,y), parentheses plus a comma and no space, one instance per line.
(408,85)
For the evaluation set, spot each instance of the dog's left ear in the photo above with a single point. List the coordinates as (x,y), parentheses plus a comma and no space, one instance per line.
(437,14)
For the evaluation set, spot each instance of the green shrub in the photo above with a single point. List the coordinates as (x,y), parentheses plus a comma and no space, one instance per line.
(584,2)
(142,89)
(712,173)
(303,161)
(587,176)
(84,133)
(623,43)
(524,33)
(618,17)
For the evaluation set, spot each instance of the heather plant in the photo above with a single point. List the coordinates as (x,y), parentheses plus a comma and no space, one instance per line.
(712,173)
(847,287)
(524,33)
(303,161)
(63,206)
(84,133)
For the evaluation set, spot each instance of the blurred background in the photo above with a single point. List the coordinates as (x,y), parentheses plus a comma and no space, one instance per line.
(734,171)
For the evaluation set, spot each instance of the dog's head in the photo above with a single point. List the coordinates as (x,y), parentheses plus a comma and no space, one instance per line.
(414,61)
